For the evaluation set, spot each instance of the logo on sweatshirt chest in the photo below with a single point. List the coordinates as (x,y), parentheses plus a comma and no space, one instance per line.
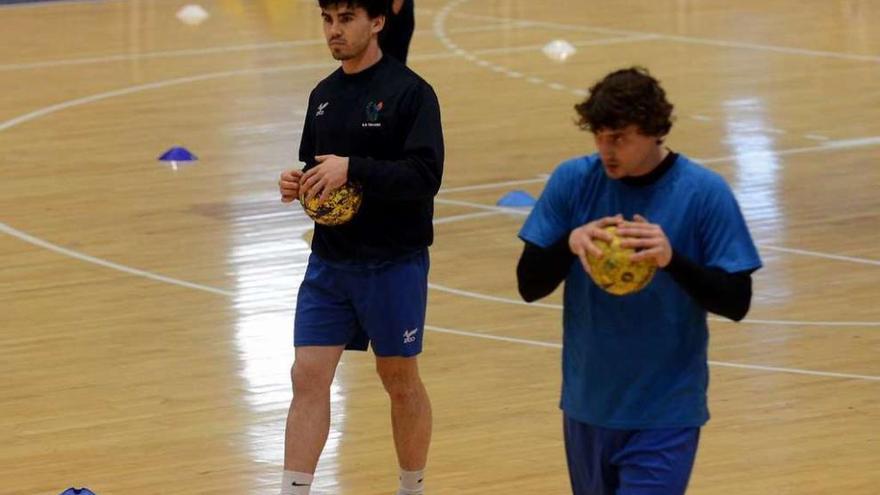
(373,112)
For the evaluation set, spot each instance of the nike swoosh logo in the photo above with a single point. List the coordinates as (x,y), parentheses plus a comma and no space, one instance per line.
(299,484)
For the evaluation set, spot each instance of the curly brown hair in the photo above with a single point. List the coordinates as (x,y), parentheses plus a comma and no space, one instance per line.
(626,97)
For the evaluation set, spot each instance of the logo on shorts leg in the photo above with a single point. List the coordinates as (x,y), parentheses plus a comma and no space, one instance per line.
(409,336)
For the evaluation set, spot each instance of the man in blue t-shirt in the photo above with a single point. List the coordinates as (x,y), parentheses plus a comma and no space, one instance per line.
(635,368)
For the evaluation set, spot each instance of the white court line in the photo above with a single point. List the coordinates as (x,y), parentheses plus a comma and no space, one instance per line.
(806,323)
(493,185)
(465,216)
(440,288)
(600,42)
(803,252)
(500,338)
(485,297)
(853,143)
(796,371)
(440,33)
(526,211)
(722,364)
(155,55)
(216,49)
(154,85)
(478,206)
(36,241)
(223,292)
(671,37)
(830,145)
(825,146)
(558,307)
(160,278)
(190,79)
(30,5)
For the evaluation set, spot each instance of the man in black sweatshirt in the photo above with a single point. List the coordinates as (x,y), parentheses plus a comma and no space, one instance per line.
(374,122)
(635,370)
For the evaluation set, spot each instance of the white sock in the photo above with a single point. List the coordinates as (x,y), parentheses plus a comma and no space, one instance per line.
(412,482)
(294,483)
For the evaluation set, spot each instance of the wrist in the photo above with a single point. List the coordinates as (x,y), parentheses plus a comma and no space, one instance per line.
(669,260)
(353,169)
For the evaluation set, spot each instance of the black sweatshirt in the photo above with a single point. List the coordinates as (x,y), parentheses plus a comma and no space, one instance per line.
(541,270)
(386,120)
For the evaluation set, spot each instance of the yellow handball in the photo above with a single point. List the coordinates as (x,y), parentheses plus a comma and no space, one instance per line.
(614,272)
(339,208)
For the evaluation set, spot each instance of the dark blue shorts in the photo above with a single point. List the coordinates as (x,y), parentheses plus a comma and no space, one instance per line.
(382,304)
(603,461)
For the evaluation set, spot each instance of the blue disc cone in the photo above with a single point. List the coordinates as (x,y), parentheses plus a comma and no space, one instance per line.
(77,491)
(517,199)
(178,154)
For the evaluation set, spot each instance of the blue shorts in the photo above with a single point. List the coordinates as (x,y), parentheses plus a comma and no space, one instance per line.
(356,305)
(603,461)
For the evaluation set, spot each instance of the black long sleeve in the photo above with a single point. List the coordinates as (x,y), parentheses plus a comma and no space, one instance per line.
(417,174)
(717,291)
(307,140)
(540,271)
(386,120)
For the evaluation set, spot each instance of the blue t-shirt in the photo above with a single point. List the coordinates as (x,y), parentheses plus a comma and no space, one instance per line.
(640,361)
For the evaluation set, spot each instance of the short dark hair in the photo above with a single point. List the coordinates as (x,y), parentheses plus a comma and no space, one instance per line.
(374,8)
(627,97)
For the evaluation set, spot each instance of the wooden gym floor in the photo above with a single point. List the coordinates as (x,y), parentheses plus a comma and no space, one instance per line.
(146,312)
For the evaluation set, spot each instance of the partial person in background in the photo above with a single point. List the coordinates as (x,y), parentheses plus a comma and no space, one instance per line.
(399,26)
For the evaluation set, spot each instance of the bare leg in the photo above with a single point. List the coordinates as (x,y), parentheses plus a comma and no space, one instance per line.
(410,410)
(308,420)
